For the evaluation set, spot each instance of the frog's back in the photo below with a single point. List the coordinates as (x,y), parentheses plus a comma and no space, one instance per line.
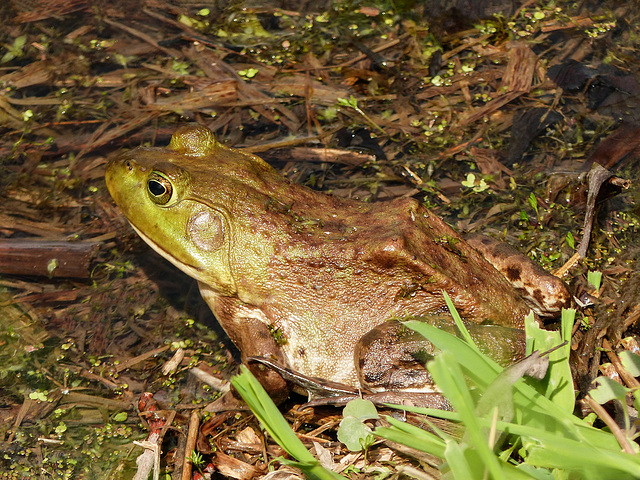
(437,259)
(389,259)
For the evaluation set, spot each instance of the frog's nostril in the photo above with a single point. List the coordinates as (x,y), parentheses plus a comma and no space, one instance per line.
(128,165)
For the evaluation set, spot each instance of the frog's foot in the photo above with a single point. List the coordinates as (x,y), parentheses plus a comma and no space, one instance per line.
(544,293)
(413,399)
(312,386)
(323,392)
(392,357)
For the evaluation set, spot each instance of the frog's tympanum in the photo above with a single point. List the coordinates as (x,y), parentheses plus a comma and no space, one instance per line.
(316,282)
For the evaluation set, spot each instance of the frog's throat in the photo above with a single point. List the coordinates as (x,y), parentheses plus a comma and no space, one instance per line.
(191,270)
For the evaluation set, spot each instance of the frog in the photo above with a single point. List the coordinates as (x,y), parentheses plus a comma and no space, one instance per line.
(318,283)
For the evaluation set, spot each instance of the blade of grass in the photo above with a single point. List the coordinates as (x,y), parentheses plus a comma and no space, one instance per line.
(457,462)
(529,403)
(416,437)
(432,446)
(466,336)
(449,377)
(275,424)
(483,370)
(555,451)
(557,386)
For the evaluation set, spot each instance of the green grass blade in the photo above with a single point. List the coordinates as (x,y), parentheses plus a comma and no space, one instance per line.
(275,424)
(458,463)
(532,405)
(555,443)
(416,437)
(449,377)
(483,370)
(555,451)
(558,384)
(466,336)
(434,446)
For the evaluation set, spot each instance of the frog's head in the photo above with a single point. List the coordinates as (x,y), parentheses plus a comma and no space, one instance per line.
(169,197)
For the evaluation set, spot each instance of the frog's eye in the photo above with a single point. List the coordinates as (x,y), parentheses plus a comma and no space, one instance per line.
(159,188)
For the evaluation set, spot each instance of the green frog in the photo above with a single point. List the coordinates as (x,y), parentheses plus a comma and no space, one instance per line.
(315,282)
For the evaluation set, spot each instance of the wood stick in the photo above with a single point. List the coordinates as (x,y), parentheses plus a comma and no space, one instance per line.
(192,436)
(47,258)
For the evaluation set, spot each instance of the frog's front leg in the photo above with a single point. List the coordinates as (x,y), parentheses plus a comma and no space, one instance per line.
(247,329)
(392,357)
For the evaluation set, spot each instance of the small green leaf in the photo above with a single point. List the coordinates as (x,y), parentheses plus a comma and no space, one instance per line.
(355,434)
(608,389)
(61,428)
(20,42)
(470,181)
(594,279)
(181,68)
(352,431)
(360,409)
(197,459)
(38,396)
(481,187)
(533,201)
(631,362)
(15,50)
(571,241)
(52,264)
(248,73)
(352,102)
(185,20)
(120,417)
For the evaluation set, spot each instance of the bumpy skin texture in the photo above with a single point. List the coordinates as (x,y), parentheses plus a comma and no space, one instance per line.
(319,271)
(545,294)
